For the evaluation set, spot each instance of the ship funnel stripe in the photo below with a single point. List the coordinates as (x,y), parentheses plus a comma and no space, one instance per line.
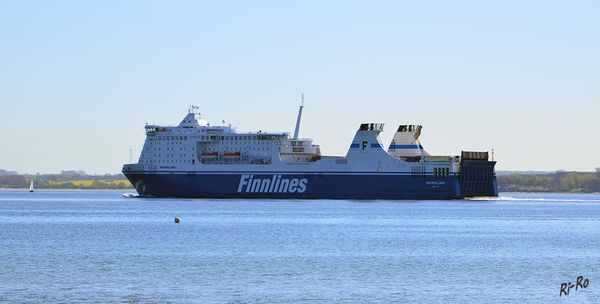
(372,146)
(406,147)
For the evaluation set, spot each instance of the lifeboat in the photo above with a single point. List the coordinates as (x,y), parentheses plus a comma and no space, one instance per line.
(231,155)
(209,155)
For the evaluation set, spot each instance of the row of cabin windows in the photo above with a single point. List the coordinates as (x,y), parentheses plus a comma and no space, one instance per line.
(441,171)
(240,137)
(243,148)
(169,161)
(208,137)
(170,155)
(235,144)
(231,137)
(170,138)
(172,149)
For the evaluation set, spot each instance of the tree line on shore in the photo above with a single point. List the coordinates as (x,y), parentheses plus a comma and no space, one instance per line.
(575,182)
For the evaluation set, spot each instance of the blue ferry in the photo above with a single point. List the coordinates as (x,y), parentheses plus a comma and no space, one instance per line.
(197,159)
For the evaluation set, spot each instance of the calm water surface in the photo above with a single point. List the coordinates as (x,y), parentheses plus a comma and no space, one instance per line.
(99,246)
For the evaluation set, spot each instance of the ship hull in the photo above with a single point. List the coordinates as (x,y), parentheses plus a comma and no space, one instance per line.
(300,185)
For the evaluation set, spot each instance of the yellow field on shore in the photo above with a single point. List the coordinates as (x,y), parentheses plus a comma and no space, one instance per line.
(88,183)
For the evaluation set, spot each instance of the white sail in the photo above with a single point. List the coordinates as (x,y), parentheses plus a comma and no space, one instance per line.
(31,187)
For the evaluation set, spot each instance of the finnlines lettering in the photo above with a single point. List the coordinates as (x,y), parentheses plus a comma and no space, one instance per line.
(276,184)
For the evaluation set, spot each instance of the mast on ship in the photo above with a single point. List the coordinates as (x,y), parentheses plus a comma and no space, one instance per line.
(299,117)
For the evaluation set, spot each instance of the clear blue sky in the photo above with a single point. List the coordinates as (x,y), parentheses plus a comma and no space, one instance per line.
(79,79)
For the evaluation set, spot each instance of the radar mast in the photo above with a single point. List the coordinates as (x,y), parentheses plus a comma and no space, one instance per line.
(299,117)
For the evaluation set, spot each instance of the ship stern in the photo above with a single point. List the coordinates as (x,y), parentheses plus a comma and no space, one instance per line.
(477,175)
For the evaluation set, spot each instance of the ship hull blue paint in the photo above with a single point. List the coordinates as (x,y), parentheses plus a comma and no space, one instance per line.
(315,185)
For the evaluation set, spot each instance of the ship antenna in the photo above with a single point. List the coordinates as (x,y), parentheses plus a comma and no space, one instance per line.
(299,117)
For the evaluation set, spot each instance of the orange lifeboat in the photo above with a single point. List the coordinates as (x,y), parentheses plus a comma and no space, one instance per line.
(231,155)
(209,155)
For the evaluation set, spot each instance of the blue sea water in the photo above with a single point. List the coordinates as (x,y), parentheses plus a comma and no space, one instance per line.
(102,247)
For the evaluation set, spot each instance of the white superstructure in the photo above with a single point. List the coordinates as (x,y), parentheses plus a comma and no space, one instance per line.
(195,144)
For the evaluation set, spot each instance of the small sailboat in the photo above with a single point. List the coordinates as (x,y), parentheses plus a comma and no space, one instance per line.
(31,187)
